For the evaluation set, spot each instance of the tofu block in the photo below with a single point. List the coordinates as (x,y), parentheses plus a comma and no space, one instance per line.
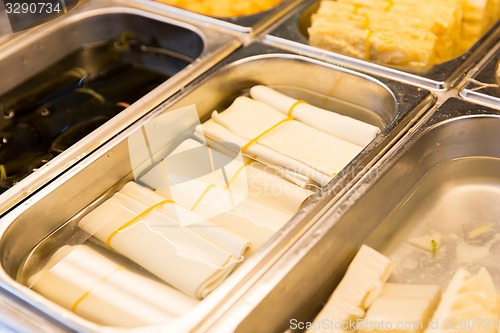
(396,314)
(469,304)
(361,285)
(423,291)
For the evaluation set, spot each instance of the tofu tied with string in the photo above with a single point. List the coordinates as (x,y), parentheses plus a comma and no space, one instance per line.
(178,246)
(250,200)
(95,287)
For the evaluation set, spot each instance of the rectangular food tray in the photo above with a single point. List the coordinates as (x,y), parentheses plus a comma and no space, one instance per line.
(443,176)
(247,25)
(30,53)
(391,105)
(292,34)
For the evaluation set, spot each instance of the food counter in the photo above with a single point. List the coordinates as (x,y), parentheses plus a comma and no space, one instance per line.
(166,170)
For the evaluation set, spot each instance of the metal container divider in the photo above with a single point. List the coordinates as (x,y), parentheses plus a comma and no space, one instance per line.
(31,52)
(294,290)
(397,105)
(292,35)
(484,86)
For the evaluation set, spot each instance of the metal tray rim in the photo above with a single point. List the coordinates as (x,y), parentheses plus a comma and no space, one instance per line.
(217,45)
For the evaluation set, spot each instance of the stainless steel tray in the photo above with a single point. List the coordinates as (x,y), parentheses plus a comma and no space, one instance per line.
(484,86)
(250,24)
(391,105)
(292,34)
(30,52)
(444,175)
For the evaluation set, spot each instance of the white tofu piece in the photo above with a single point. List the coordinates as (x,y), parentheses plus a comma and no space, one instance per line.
(469,304)
(424,291)
(396,314)
(361,285)
(425,242)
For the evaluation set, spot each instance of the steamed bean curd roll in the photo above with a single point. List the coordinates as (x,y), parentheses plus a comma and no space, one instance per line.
(217,132)
(260,124)
(270,204)
(184,250)
(194,174)
(338,125)
(196,223)
(252,202)
(95,287)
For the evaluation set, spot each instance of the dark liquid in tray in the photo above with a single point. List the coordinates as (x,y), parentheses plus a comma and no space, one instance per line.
(51,111)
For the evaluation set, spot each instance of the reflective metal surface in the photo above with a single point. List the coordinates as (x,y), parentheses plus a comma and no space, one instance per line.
(292,34)
(29,53)
(444,174)
(391,105)
(484,85)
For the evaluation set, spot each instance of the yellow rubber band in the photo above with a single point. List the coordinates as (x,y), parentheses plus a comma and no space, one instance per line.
(209,187)
(294,105)
(236,174)
(85,294)
(134,220)
(202,195)
(251,142)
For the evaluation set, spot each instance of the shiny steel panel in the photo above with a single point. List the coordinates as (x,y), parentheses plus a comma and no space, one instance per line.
(28,53)
(391,105)
(292,34)
(451,150)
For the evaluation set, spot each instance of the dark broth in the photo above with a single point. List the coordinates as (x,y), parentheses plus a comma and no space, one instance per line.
(54,109)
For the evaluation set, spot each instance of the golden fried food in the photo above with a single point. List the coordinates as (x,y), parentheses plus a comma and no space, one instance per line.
(411,34)
(224,8)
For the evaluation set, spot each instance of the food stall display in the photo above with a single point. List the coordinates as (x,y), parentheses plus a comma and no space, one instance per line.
(191,166)
(408,34)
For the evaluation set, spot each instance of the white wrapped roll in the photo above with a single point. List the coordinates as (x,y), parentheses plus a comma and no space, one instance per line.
(343,127)
(98,289)
(220,179)
(258,122)
(253,203)
(194,222)
(194,259)
(219,133)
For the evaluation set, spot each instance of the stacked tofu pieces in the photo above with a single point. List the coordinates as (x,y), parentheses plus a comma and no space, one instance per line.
(401,33)
(365,302)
